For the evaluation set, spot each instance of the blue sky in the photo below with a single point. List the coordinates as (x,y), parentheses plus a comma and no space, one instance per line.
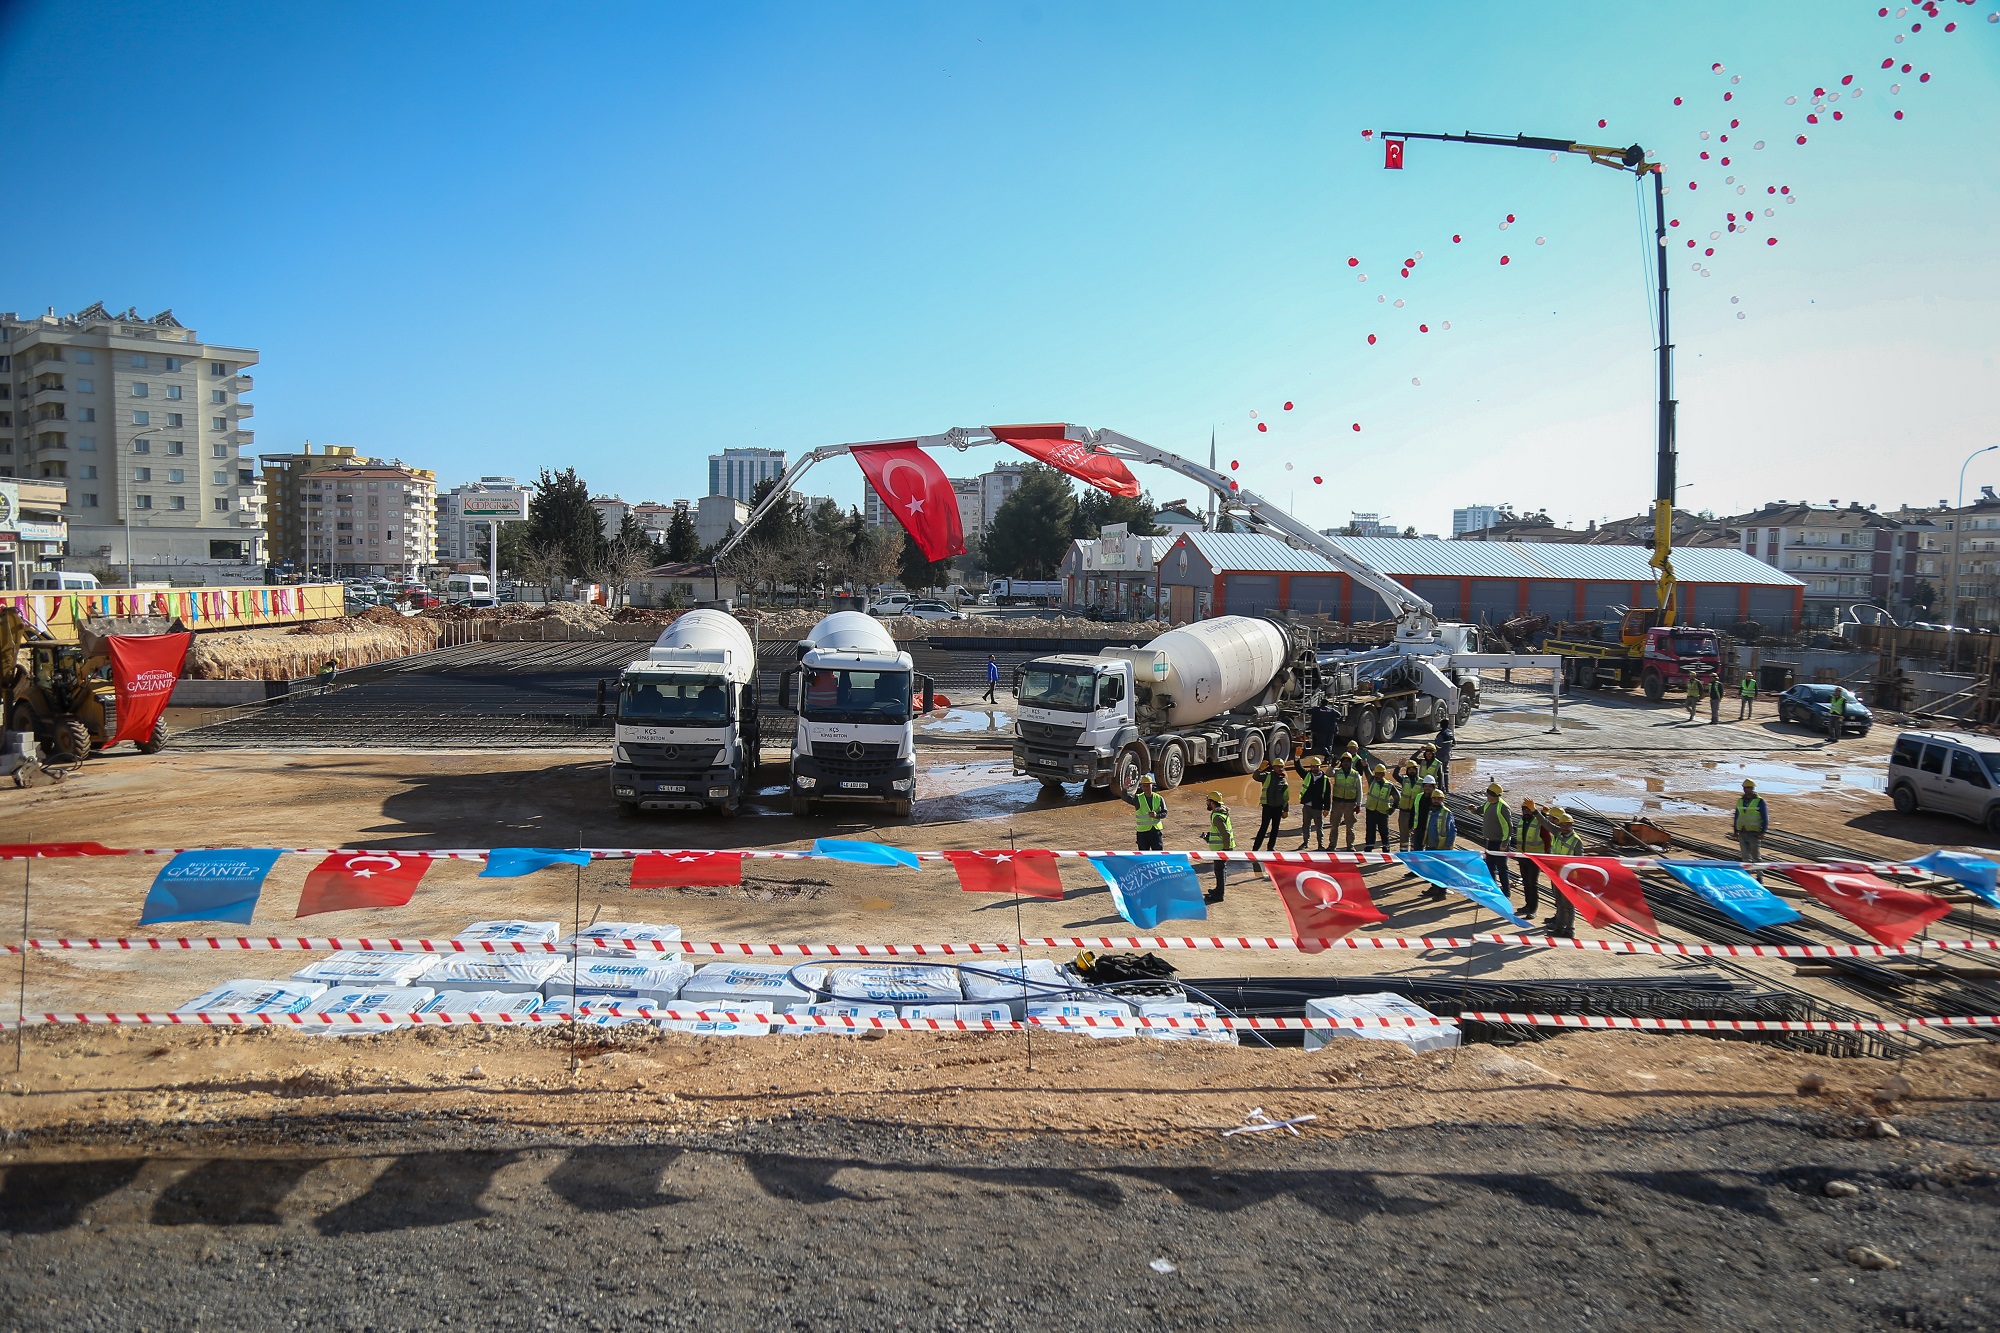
(493,237)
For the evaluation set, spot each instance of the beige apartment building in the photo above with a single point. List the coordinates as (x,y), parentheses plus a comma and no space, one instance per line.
(145,425)
(365,518)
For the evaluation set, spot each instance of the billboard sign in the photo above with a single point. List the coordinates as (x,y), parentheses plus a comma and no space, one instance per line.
(493,504)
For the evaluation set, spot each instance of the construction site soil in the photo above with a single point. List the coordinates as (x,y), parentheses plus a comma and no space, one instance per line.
(627,1178)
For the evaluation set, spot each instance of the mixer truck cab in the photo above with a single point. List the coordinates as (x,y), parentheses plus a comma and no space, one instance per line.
(857,697)
(1229,690)
(685,734)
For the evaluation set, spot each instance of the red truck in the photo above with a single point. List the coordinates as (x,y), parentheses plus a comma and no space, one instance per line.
(1657,659)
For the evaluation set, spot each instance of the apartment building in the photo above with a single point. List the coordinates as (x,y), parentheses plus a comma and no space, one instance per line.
(1845,557)
(736,472)
(1474,518)
(145,425)
(285,497)
(370,518)
(1955,562)
(979,499)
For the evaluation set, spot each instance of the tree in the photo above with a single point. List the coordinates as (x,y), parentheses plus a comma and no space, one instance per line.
(682,543)
(1030,534)
(917,573)
(514,543)
(622,563)
(1923,596)
(874,553)
(547,565)
(561,517)
(1096,509)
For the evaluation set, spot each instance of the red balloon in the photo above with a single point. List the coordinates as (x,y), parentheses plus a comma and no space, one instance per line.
(1371,340)
(1352,262)
(1260,426)
(1692,185)
(1770,240)
(1357,425)
(1837,115)
(1906,69)
(1704,157)
(1899,115)
(1951,27)
(1406,273)
(1600,124)
(1232,462)
(1784,189)
(1504,259)
(1288,407)
(1802,138)
(1674,223)
(1819,92)
(1454,240)
(1423,328)
(1812,120)
(1734,124)
(1510,217)
(1727,96)
(1234,487)
(1677,101)
(1725,161)
(1888,62)
(1925,77)
(1916,27)
(1316,481)
(1846,79)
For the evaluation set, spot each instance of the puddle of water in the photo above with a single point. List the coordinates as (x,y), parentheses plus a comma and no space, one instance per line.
(1783,779)
(1631,807)
(977,721)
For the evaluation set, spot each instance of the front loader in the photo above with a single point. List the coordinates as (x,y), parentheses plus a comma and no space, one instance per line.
(62,692)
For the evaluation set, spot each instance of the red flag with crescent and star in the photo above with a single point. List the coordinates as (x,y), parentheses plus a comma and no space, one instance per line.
(1604,889)
(1031,874)
(1322,902)
(347,880)
(1889,912)
(1051,446)
(917,492)
(687,870)
(1392,154)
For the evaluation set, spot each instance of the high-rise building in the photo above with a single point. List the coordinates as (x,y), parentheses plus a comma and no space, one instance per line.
(144,423)
(370,518)
(994,489)
(1473,518)
(736,472)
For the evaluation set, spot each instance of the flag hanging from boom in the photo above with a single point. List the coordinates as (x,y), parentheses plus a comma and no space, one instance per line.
(1392,154)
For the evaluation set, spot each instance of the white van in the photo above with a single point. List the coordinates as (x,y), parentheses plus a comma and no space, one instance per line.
(465,587)
(1947,773)
(61,580)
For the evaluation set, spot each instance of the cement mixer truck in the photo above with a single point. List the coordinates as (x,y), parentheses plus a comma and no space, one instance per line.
(1224,691)
(857,697)
(685,735)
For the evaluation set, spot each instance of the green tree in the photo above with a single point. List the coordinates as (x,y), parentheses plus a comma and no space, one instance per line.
(560,518)
(1030,533)
(1096,509)
(918,573)
(514,546)
(682,543)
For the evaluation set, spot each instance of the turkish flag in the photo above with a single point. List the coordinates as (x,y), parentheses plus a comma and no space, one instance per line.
(918,493)
(1322,902)
(1072,456)
(1604,889)
(1031,874)
(347,880)
(1889,912)
(144,668)
(1392,154)
(686,870)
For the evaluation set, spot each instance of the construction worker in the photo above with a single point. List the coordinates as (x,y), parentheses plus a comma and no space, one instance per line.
(1436,829)
(1382,798)
(1408,790)
(1753,820)
(1693,694)
(325,674)
(1221,837)
(1715,698)
(1314,793)
(1149,814)
(1499,832)
(1447,738)
(1746,697)
(1836,715)
(1275,804)
(1532,837)
(1363,760)
(1347,786)
(1428,765)
(992,680)
(1563,841)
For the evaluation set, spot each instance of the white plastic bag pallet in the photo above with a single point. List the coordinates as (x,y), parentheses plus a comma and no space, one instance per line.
(1427,1036)
(254,995)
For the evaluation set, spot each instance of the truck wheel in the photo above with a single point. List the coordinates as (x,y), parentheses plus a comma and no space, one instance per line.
(1173,766)
(900,809)
(627,809)
(1905,799)
(1281,745)
(1464,710)
(72,740)
(802,808)
(1251,757)
(1364,727)
(1654,684)
(22,720)
(1125,771)
(157,741)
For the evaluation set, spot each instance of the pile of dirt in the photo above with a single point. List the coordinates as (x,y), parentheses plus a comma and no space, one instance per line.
(375,635)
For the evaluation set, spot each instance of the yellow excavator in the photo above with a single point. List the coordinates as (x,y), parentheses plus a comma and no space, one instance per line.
(62,692)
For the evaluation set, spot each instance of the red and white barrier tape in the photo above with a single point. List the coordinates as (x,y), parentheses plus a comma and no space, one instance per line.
(387,1021)
(716,948)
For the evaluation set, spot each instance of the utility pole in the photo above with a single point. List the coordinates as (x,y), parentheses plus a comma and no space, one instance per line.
(1632,159)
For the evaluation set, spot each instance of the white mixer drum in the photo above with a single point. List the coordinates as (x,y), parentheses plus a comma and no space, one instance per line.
(1214,665)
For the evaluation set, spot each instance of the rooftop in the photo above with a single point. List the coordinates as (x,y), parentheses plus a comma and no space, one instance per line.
(1430,557)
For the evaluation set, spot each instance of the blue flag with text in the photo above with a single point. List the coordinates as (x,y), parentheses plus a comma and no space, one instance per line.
(1463,872)
(1980,876)
(208,886)
(513,862)
(1150,889)
(1732,891)
(856,852)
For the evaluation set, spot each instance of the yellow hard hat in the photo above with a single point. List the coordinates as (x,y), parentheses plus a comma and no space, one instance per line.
(1380,769)
(1354,745)
(1145,779)
(1749,785)
(1558,814)
(1313,761)
(1493,789)
(1527,803)
(1216,797)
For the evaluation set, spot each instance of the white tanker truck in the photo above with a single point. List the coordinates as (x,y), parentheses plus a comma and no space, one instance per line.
(1228,690)
(685,736)
(857,696)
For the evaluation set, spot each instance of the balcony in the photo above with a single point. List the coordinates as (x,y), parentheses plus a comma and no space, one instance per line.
(244,410)
(42,393)
(243,383)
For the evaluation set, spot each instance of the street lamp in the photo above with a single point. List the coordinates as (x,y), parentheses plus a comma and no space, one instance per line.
(1958,530)
(125,503)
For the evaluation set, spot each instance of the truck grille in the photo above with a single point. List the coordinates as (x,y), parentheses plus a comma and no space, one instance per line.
(852,752)
(1049,733)
(671,760)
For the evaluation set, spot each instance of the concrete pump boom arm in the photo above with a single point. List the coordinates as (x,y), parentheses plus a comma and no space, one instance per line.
(1415,615)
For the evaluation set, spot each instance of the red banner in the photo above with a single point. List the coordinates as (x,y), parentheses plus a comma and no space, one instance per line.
(687,870)
(1030,874)
(144,668)
(1392,154)
(1072,456)
(1322,902)
(11,850)
(347,880)
(1889,912)
(1604,889)
(917,492)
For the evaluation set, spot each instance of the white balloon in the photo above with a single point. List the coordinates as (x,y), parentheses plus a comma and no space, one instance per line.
(1759,145)
(1541,240)
(1739,314)
(1704,134)
(1415,380)
(1399,303)
(1736,300)
(1446,324)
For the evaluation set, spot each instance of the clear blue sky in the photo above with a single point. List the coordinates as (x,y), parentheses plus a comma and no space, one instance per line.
(489,237)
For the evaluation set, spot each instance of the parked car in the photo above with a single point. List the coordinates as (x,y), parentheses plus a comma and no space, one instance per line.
(1947,773)
(1811,705)
(890,604)
(933,611)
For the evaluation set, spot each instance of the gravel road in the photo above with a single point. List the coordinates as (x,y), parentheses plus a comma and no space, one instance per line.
(1706,1221)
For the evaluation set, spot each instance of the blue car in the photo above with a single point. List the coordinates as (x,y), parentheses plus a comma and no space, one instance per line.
(1812,705)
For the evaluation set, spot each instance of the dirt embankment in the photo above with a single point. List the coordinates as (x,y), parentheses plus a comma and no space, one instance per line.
(375,635)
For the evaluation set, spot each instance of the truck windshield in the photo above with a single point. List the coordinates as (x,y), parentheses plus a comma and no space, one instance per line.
(1044,687)
(675,701)
(828,695)
(1693,645)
